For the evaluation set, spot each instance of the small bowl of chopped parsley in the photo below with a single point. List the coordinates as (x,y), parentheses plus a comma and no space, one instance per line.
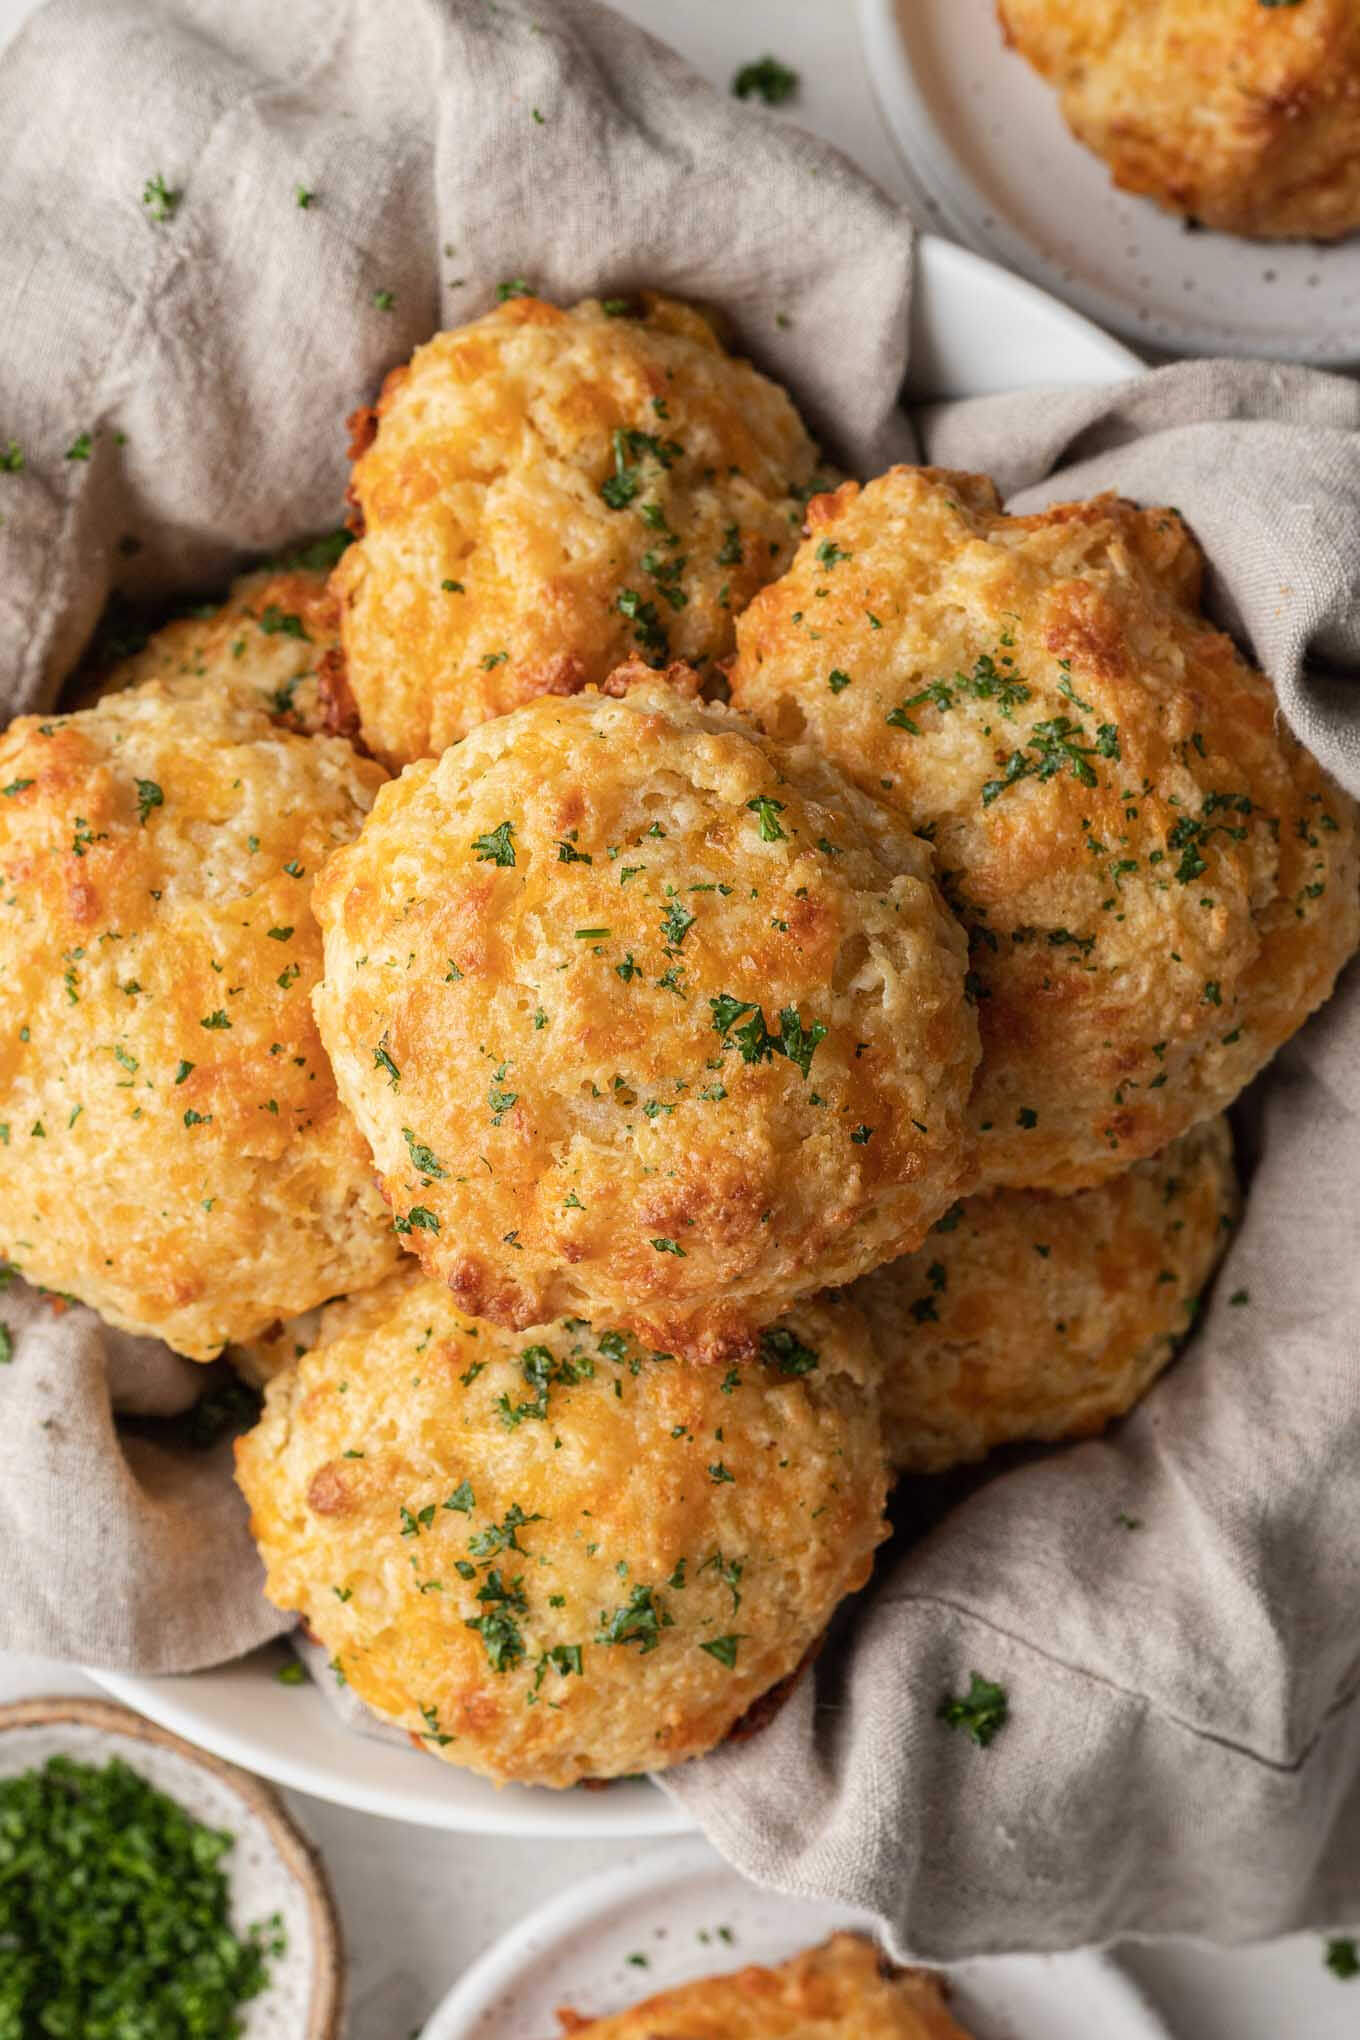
(148,1892)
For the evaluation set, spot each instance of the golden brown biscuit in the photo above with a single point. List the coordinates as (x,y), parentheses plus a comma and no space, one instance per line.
(1243,114)
(645,1020)
(549,492)
(1032,1316)
(175,1153)
(277,635)
(1159,883)
(844,1990)
(556,1557)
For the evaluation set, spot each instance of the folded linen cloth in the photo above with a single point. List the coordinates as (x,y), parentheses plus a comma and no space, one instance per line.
(1183,1750)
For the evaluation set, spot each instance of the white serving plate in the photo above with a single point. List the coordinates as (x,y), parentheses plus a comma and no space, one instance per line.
(975,330)
(983,136)
(669,1910)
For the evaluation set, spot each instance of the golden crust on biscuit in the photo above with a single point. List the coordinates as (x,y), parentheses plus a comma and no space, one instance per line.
(645,1019)
(544,493)
(276,636)
(1159,883)
(556,1557)
(843,1990)
(175,1152)
(1242,114)
(1029,1316)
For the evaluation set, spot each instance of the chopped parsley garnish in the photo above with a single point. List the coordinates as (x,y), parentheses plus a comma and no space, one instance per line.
(11,458)
(730,554)
(384,300)
(515,287)
(497,846)
(676,924)
(500,1633)
(160,201)
(15,786)
(981,1711)
(984,683)
(724,1648)
(276,622)
(754,1041)
(767,813)
(423,1158)
(837,681)
(1342,1957)
(640,1620)
(303,196)
(631,448)
(80,448)
(665,1246)
(766,79)
(118,1910)
(648,629)
(418,1219)
(1058,745)
(216,1021)
(787,1351)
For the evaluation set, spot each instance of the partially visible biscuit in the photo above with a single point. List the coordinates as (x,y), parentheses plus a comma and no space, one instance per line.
(174,1150)
(1158,882)
(543,493)
(1241,114)
(1028,1316)
(276,636)
(647,1019)
(843,1990)
(558,1557)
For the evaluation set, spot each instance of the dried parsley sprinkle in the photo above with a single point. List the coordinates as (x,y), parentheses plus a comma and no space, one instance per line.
(1343,1958)
(115,1912)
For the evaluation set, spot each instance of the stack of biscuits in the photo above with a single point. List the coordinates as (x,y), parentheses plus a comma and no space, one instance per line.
(667,991)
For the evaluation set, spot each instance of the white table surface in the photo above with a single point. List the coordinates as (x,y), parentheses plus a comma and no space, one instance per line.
(418,1905)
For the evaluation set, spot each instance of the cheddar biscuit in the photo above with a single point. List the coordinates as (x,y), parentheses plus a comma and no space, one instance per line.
(844,1990)
(1029,1316)
(546,493)
(174,1150)
(1158,882)
(645,1018)
(276,637)
(556,1556)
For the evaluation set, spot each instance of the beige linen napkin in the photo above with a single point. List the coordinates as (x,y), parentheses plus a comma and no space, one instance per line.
(1183,1749)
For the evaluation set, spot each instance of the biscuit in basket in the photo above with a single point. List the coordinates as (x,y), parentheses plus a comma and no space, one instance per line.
(549,492)
(1158,882)
(1029,1316)
(555,1556)
(843,1990)
(174,1150)
(645,1020)
(277,634)
(1241,114)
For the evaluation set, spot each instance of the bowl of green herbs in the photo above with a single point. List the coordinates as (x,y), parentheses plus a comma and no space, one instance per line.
(148,1892)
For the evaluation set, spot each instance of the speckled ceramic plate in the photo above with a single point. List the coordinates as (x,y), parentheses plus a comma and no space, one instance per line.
(682,1913)
(983,137)
(271,1868)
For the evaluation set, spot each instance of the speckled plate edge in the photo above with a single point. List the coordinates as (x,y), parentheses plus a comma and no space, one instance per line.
(1302,300)
(511,1992)
(299,1858)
